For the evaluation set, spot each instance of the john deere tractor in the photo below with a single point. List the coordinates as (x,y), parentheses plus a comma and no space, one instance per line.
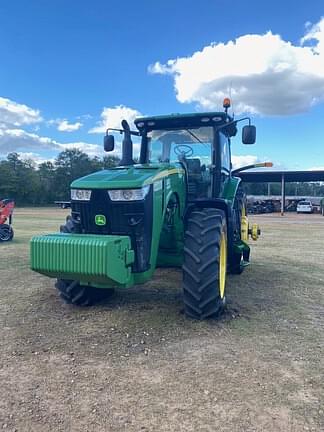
(181,205)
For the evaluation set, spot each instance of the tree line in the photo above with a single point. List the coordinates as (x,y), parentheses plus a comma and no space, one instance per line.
(31,184)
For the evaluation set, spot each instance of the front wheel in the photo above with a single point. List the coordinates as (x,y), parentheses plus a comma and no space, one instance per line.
(205,262)
(6,233)
(73,293)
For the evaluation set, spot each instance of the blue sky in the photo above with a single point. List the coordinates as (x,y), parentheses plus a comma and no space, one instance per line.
(67,67)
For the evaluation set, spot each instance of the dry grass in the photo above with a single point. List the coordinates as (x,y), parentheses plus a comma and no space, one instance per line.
(137,364)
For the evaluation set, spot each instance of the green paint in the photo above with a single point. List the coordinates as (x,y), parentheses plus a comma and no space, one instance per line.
(122,177)
(230,188)
(104,259)
(180,116)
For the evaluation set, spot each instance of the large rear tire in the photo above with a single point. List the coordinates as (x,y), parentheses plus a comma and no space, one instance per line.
(73,293)
(205,262)
(6,233)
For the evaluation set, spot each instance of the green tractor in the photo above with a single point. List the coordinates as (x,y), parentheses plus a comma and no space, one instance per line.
(181,205)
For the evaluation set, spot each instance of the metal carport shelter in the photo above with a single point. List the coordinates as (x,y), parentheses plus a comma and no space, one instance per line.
(282,177)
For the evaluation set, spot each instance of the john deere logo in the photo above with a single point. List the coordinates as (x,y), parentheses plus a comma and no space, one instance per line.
(100,220)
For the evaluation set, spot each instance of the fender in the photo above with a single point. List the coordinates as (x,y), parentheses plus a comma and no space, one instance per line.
(216,203)
(230,188)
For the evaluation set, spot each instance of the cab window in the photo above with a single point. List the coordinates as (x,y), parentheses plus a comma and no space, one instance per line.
(225,152)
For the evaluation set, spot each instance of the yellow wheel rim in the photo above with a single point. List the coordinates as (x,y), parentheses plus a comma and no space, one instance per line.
(244,225)
(243,211)
(222,265)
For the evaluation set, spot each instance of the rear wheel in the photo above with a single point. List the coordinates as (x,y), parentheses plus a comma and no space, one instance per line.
(236,264)
(6,233)
(73,293)
(205,262)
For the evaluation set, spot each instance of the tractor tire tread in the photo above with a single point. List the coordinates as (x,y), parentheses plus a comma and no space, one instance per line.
(72,292)
(6,233)
(201,264)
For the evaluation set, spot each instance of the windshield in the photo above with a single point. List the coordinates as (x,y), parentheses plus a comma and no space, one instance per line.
(174,145)
(193,148)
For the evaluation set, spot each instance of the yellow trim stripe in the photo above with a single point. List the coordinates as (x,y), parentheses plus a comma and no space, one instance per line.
(222,265)
(166,173)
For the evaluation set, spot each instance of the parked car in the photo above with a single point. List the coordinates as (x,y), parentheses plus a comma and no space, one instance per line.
(304,207)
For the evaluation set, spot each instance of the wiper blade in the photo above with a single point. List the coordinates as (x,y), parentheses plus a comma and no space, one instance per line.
(198,139)
(194,136)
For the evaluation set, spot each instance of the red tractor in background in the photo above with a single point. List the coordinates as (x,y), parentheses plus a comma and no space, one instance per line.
(6,210)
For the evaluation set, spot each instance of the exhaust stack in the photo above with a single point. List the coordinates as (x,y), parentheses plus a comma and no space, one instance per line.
(127,146)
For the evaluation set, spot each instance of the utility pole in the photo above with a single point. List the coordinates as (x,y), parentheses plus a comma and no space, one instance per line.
(283,197)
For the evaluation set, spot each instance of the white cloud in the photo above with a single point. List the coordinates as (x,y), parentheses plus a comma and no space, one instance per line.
(18,140)
(35,157)
(315,34)
(267,75)
(239,161)
(12,140)
(318,168)
(84,117)
(15,139)
(65,126)
(112,117)
(15,114)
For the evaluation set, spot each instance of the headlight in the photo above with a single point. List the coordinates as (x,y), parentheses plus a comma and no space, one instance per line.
(128,194)
(80,194)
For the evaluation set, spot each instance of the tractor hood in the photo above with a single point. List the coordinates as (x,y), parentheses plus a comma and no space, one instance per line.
(134,176)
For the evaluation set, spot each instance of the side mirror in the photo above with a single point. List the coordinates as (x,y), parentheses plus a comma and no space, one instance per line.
(109,143)
(249,134)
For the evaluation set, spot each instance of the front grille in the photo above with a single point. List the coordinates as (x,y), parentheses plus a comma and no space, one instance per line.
(133,219)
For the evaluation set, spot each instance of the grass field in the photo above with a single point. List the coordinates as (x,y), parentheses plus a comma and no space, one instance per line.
(137,364)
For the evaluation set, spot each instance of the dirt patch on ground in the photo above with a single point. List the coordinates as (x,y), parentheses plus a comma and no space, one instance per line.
(137,364)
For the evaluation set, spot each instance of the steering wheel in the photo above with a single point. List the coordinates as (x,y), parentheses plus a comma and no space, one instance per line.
(183,150)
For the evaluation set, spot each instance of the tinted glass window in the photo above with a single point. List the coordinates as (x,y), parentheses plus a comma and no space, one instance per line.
(169,145)
(226,159)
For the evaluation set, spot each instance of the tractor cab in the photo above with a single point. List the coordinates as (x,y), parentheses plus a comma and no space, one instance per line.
(194,142)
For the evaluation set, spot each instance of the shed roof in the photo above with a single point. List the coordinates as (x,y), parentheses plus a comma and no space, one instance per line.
(276,176)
